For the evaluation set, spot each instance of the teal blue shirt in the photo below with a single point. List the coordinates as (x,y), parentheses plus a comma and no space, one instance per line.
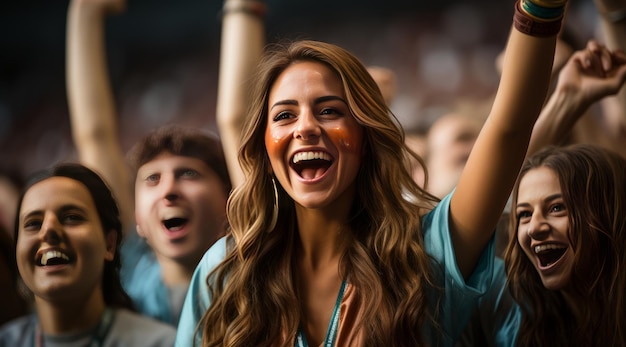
(504,311)
(495,323)
(457,300)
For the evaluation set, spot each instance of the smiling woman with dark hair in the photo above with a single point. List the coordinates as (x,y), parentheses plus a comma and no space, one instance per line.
(68,234)
(565,263)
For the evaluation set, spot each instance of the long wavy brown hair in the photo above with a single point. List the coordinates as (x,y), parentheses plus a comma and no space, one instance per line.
(593,184)
(254,300)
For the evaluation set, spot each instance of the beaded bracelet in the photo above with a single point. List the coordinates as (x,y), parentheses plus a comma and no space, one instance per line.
(530,26)
(253,7)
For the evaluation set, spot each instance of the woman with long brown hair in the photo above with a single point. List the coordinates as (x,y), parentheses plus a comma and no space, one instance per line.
(331,239)
(565,264)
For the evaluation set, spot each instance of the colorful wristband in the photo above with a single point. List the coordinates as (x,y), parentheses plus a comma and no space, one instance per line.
(530,26)
(549,4)
(544,14)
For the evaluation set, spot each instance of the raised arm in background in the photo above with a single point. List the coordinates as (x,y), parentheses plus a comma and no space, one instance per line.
(590,75)
(613,34)
(93,117)
(243,40)
(613,30)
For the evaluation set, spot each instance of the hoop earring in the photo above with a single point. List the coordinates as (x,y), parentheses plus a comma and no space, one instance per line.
(275,211)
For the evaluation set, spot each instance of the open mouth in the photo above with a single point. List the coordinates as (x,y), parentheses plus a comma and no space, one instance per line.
(311,165)
(549,254)
(53,257)
(175,224)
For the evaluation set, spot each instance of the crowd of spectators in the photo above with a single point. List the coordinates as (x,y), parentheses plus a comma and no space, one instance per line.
(164,62)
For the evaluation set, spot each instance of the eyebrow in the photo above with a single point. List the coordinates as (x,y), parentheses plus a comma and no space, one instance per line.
(319,100)
(549,198)
(64,208)
(184,168)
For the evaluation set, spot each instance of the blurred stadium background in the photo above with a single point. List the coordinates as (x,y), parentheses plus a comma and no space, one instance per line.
(163,60)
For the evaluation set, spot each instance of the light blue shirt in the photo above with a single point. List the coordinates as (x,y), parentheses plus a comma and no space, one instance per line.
(457,301)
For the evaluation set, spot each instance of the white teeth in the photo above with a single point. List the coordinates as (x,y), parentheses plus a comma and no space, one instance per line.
(310,156)
(52,254)
(542,248)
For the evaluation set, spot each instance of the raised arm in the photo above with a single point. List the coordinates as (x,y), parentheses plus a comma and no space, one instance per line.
(243,39)
(613,22)
(498,153)
(613,34)
(92,109)
(589,75)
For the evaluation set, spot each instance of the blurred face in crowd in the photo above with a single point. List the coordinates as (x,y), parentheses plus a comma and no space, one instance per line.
(180,207)
(61,247)
(450,141)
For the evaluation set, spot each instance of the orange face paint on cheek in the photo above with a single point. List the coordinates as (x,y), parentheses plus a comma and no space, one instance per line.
(350,141)
(275,143)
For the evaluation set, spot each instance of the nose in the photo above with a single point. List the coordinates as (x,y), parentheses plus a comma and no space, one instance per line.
(51,230)
(538,227)
(170,188)
(307,126)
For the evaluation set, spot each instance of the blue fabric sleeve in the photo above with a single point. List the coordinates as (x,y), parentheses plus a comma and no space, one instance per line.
(495,322)
(500,310)
(197,300)
(455,301)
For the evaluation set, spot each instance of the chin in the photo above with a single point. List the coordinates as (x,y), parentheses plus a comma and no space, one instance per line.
(554,284)
(55,293)
(186,256)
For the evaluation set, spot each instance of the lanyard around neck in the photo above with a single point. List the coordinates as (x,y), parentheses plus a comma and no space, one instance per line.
(333,325)
(97,336)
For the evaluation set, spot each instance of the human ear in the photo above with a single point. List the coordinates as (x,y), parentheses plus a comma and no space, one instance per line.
(140,232)
(111,244)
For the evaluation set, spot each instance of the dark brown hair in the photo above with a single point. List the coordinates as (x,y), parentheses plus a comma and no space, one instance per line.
(114,294)
(593,184)
(181,141)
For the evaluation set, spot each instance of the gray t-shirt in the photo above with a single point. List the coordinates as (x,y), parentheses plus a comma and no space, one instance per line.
(127,329)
